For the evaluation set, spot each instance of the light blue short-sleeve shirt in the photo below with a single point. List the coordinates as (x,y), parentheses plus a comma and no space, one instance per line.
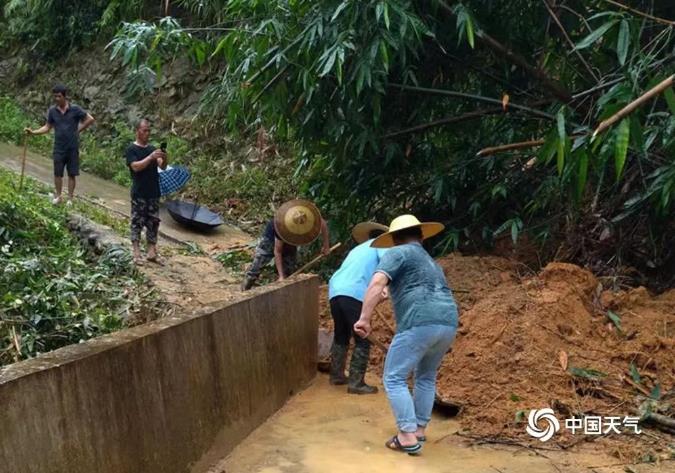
(418,288)
(353,276)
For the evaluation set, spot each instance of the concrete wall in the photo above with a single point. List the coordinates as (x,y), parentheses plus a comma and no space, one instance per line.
(156,397)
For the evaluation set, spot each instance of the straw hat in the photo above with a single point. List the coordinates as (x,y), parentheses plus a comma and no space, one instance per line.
(361,231)
(297,222)
(429,229)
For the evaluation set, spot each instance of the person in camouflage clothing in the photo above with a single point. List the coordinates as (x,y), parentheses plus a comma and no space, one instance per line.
(143,160)
(273,245)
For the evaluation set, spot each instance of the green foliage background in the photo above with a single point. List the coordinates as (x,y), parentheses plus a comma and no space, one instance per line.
(52,291)
(382,106)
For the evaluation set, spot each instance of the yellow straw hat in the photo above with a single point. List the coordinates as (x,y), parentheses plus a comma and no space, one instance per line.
(361,231)
(297,222)
(429,229)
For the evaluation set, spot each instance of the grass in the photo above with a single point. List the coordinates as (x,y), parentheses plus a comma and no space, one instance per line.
(53,292)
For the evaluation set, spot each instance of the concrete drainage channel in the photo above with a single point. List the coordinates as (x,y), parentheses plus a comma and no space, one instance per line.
(157,397)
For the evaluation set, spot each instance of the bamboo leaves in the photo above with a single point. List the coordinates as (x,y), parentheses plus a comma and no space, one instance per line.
(562,140)
(622,137)
(623,42)
(465,24)
(596,35)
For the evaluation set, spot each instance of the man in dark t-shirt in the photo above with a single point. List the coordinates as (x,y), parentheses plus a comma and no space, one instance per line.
(68,121)
(143,161)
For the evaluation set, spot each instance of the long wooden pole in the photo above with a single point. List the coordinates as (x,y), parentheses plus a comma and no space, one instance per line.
(509,147)
(630,108)
(23,161)
(316,260)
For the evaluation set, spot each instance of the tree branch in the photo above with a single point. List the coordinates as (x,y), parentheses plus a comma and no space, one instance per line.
(480,98)
(631,107)
(643,14)
(569,40)
(445,121)
(509,147)
(553,86)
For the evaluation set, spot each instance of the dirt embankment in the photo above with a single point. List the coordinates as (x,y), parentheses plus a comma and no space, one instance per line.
(546,340)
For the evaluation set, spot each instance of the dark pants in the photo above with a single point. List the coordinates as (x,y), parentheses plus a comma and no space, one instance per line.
(145,214)
(66,159)
(264,253)
(346,312)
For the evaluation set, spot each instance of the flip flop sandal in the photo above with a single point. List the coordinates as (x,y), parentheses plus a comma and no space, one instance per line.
(421,438)
(157,260)
(139,261)
(395,444)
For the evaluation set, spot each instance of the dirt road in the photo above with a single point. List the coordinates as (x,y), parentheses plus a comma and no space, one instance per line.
(116,198)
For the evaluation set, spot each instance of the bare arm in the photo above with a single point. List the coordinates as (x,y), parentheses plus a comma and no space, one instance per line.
(137,166)
(278,258)
(325,248)
(44,129)
(374,295)
(86,123)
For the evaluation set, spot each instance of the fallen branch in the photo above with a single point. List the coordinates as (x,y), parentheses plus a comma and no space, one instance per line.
(631,107)
(642,389)
(662,420)
(640,13)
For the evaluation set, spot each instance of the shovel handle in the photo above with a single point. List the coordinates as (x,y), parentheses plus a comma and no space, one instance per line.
(316,260)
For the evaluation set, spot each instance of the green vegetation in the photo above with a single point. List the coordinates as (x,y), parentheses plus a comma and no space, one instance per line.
(388,103)
(380,107)
(13,120)
(53,293)
(53,28)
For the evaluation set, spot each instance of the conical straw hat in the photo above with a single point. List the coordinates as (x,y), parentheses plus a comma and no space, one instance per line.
(429,229)
(361,231)
(297,222)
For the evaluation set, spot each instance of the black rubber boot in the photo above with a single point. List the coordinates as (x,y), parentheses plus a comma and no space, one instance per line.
(357,371)
(247,283)
(338,358)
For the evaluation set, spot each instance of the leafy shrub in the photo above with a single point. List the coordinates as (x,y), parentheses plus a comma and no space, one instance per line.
(52,292)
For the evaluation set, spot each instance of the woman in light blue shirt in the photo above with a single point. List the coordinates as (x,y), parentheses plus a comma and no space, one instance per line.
(346,290)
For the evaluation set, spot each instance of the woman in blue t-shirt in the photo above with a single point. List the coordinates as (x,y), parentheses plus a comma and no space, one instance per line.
(426,323)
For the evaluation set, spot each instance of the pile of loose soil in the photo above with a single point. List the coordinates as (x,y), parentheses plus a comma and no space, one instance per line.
(546,340)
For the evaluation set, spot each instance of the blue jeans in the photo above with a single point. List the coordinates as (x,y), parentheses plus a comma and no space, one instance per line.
(419,350)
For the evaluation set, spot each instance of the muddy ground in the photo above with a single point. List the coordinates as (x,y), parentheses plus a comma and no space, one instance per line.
(528,341)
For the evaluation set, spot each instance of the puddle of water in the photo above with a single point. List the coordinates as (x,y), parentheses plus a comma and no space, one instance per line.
(323,429)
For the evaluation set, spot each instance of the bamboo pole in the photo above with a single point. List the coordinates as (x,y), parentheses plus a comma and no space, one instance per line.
(640,13)
(23,161)
(508,147)
(316,260)
(631,107)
